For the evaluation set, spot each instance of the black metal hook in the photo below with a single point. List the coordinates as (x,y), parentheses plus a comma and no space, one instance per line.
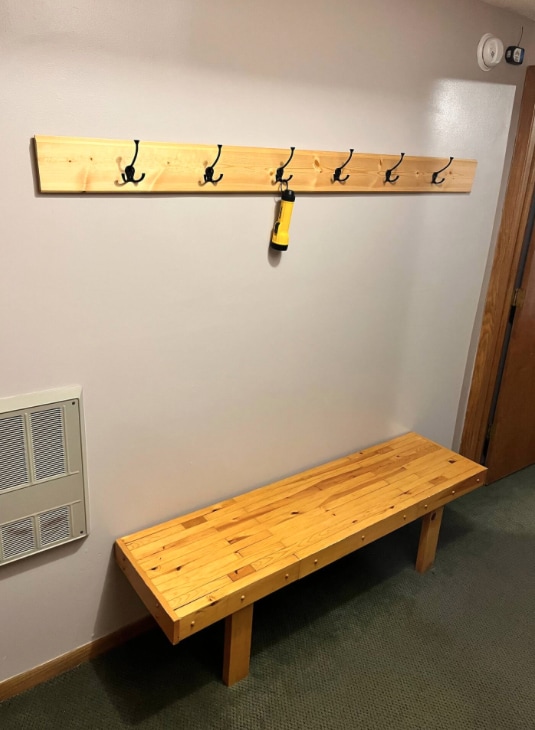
(209,171)
(129,170)
(280,170)
(338,171)
(434,180)
(388,175)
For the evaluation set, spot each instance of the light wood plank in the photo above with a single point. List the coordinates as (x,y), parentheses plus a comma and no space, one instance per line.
(238,635)
(316,475)
(153,534)
(375,525)
(76,164)
(179,597)
(221,603)
(180,552)
(429,540)
(154,601)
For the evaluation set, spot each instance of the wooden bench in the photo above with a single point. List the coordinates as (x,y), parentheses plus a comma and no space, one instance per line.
(216,562)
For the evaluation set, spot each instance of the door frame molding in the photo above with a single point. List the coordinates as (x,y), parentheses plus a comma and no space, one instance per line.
(518,197)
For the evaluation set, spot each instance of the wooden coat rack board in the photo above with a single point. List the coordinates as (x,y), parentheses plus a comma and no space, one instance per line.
(84,165)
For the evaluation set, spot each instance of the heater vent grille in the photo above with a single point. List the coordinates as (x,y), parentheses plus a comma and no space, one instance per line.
(18,538)
(55,525)
(42,484)
(48,443)
(13,464)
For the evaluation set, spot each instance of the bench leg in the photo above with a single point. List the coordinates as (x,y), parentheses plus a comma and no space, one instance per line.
(238,630)
(428,540)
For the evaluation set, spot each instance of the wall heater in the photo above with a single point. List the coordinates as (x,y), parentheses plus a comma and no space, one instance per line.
(42,481)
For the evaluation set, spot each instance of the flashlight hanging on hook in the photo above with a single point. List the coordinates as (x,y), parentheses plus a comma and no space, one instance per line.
(280,236)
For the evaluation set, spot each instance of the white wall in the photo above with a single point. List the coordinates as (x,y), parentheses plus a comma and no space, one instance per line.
(206,368)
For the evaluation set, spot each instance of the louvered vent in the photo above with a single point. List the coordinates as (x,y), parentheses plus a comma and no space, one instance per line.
(55,525)
(18,538)
(13,464)
(48,443)
(42,484)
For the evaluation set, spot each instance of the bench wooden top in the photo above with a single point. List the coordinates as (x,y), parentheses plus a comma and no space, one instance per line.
(200,567)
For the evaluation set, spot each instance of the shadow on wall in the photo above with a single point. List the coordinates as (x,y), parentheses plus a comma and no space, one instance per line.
(119,604)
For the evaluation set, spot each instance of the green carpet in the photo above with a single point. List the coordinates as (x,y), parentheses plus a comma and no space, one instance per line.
(366,643)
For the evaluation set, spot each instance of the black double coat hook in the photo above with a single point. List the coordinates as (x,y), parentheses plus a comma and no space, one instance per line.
(338,170)
(130,171)
(210,170)
(434,180)
(388,174)
(280,170)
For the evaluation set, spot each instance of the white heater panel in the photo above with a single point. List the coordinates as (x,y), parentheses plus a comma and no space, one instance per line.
(42,483)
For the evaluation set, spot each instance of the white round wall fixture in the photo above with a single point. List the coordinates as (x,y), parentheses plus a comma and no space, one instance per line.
(489,52)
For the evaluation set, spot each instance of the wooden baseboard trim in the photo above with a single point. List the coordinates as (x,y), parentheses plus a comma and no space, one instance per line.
(21,682)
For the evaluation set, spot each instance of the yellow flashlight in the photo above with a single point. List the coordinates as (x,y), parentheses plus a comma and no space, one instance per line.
(280,236)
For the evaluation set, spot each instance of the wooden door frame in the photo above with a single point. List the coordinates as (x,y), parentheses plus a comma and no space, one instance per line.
(520,189)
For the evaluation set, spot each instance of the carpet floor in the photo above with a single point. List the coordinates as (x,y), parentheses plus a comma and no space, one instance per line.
(364,644)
